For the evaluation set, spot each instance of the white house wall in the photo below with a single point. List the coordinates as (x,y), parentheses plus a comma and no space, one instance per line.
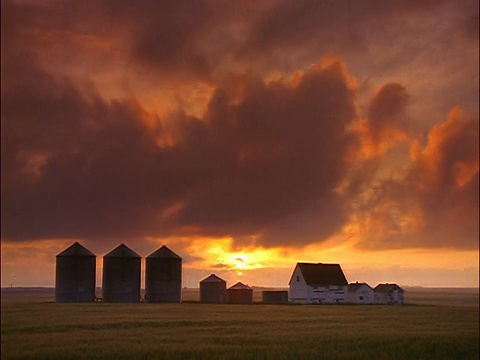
(327,294)
(298,287)
(364,295)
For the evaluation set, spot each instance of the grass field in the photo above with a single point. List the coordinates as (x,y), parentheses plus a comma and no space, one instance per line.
(44,330)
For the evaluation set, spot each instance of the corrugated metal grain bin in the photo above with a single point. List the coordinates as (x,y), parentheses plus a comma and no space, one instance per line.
(275,297)
(163,277)
(240,294)
(75,275)
(121,276)
(213,290)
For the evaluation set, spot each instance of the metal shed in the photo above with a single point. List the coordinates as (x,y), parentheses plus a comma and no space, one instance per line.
(240,294)
(163,277)
(121,275)
(75,275)
(213,290)
(275,297)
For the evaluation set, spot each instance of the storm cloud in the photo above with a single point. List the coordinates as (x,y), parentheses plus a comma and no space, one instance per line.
(288,145)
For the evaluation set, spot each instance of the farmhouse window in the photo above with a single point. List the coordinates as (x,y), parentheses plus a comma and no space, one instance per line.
(298,278)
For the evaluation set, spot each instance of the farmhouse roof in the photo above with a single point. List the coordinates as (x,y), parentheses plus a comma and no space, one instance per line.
(213,279)
(384,288)
(322,274)
(240,286)
(122,251)
(354,287)
(164,253)
(76,250)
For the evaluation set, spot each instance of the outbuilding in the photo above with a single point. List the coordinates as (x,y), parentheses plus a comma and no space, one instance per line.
(163,277)
(240,294)
(121,275)
(213,290)
(360,293)
(275,297)
(389,294)
(75,275)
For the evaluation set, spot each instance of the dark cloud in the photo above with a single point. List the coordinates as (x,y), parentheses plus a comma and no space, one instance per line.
(269,162)
(76,166)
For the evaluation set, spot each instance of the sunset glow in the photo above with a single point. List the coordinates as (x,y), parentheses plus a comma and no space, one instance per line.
(254,136)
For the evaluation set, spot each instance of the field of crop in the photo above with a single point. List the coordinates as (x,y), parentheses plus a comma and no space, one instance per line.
(45,330)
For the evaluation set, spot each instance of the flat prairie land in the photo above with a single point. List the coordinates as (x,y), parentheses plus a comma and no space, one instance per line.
(45,330)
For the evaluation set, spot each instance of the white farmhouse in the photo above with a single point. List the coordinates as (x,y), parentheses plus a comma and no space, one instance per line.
(360,293)
(388,294)
(318,283)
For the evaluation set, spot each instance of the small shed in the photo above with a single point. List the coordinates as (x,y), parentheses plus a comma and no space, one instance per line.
(75,275)
(121,275)
(275,297)
(213,290)
(163,277)
(390,294)
(360,293)
(240,294)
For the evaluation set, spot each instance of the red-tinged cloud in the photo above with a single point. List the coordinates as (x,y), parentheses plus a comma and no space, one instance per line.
(265,158)
(385,125)
(436,204)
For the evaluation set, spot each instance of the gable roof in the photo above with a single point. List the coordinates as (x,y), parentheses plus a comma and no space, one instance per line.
(240,286)
(322,274)
(76,250)
(213,279)
(122,251)
(384,288)
(354,287)
(164,253)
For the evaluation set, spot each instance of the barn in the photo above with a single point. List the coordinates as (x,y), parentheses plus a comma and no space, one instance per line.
(121,275)
(163,277)
(390,294)
(318,283)
(75,275)
(275,297)
(213,290)
(240,294)
(360,293)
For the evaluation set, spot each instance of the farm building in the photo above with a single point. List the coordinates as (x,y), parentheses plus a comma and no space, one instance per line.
(213,290)
(121,275)
(388,294)
(275,297)
(318,283)
(240,294)
(360,293)
(75,275)
(163,277)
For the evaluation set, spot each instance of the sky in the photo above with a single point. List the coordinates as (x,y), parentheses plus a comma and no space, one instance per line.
(246,136)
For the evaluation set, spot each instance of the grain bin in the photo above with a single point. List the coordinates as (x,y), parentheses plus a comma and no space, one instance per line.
(213,290)
(75,275)
(240,294)
(121,275)
(275,297)
(163,277)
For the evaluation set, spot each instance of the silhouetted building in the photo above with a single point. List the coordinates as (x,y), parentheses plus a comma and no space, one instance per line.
(163,277)
(240,294)
(275,297)
(75,275)
(121,275)
(213,290)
